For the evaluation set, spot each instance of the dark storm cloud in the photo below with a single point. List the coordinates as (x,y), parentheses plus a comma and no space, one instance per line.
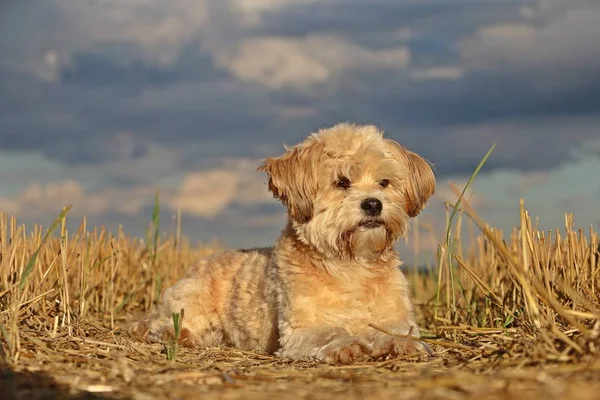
(366,21)
(99,98)
(538,111)
(430,27)
(105,69)
(192,105)
(93,71)
(439,108)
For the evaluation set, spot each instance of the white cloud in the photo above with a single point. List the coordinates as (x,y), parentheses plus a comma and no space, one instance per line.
(158,29)
(448,73)
(497,43)
(52,65)
(157,32)
(39,200)
(300,63)
(204,194)
(568,41)
(251,12)
(152,30)
(208,194)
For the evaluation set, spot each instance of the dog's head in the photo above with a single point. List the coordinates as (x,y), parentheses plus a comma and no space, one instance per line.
(348,190)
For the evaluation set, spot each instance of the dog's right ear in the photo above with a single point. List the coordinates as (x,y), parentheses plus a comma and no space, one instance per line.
(292,178)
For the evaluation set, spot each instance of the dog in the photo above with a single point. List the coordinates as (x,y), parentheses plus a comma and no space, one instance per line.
(349,193)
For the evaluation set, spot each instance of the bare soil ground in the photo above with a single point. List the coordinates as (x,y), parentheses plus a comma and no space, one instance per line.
(100,364)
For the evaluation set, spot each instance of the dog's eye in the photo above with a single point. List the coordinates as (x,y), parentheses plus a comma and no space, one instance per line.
(343,183)
(384,183)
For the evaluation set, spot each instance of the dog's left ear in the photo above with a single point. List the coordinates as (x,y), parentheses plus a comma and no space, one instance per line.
(292,178)
(420,182)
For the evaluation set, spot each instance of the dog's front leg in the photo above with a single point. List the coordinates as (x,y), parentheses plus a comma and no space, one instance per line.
(329,344)
(399,338)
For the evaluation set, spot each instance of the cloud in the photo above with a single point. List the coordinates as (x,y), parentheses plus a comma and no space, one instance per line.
(300,63)
(493,44)
(209,193)
(152,30)
(202,194)
(388,20)
(534,144)
(252,13)
(40,200)
(438,73)
(566,44)
(554,54)
(527,181)
(191,76)
(108,100)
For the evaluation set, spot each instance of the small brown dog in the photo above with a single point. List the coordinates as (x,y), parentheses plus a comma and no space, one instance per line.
(349,193)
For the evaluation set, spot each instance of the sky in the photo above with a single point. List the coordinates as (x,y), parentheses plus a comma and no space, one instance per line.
(103,102)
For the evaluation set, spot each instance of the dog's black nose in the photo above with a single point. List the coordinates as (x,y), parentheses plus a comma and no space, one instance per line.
(371,206)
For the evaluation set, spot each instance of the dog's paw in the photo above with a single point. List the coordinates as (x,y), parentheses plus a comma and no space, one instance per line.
(392,346)
(345,351)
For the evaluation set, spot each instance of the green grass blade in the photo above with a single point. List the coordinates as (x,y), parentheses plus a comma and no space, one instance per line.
(471,179)
(156,227)
(449,248)
(174,347)
(29,267)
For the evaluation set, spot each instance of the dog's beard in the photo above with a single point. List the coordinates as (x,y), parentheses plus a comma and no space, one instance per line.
(369,224)
(347,233)
(369,239)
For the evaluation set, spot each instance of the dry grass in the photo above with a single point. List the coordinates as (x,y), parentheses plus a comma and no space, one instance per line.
(507,317)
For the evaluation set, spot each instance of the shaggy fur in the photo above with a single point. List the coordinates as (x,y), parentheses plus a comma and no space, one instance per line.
(332,271)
